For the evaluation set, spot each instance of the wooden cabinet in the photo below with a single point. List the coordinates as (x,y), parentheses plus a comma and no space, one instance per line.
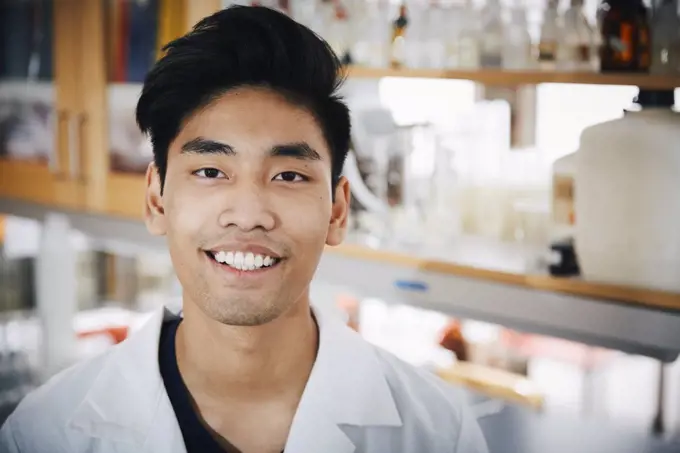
(41,119)
(71,72)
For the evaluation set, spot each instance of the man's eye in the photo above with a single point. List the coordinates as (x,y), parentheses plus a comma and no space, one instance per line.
(290,176)
(209,173)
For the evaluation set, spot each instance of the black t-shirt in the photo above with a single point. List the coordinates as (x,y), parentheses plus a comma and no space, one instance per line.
(197,438)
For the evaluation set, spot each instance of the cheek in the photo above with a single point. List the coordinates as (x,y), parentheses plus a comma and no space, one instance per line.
(189,220)
(307,219)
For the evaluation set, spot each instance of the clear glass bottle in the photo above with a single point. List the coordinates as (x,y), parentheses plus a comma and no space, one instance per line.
(517,49)
(452,16)
(415,44)
(321,21)
(398,42)
(666,38)
(576,51)
(468,39)
(551,31)
(303,11)
(434,28)
(371,27)
(491,42)
(339,32)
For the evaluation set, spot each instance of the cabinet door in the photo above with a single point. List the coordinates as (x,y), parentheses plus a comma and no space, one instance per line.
(39,122)
(125,38)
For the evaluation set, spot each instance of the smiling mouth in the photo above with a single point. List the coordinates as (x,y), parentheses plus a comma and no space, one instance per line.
(243,261)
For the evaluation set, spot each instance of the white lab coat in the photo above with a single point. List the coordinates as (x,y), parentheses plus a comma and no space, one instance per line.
(358,399)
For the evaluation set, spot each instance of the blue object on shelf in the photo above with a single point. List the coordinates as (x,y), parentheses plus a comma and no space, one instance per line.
(142,39)
(411,285)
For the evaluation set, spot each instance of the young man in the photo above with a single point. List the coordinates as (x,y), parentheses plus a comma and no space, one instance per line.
(249,138)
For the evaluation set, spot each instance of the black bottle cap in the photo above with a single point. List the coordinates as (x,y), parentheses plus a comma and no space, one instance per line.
(655,98)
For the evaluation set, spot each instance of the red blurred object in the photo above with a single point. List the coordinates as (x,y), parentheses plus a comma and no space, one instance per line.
(536,346)
(117,334)
(350,306)
(453,340)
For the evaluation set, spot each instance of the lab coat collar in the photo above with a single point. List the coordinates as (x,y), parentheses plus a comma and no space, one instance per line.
(347,386)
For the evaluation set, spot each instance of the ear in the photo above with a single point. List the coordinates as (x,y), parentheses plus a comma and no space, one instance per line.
(337,229)
(154,213)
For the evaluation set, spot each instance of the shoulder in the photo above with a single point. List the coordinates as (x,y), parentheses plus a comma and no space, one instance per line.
(429,404)
(43,415)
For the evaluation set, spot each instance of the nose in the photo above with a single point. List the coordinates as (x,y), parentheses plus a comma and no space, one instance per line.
(246,207)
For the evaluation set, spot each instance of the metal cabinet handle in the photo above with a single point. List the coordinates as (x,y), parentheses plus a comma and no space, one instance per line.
(53,159)
(82,141)
(75,136)
(73,146)
(53,162)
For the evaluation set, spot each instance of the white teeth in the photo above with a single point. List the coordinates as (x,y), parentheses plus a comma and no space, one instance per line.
(238,260)
(244,261)
(249,262)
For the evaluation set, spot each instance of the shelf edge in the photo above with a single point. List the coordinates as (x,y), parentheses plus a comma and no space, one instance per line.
(500,77)
(649,298)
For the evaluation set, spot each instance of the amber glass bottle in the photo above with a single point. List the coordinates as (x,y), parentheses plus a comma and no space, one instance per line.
(398,50)
(626,45)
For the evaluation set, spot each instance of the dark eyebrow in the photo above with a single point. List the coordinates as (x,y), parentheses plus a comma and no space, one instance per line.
(296,150)
(202,145)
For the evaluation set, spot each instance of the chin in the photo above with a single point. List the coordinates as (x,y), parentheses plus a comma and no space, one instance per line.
(249,316)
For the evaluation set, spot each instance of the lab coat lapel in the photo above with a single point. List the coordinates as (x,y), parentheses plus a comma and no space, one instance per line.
(313,431)
(165,435)
(347,386)
(127,404)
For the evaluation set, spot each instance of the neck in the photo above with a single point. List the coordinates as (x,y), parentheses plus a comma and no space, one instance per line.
(247,363)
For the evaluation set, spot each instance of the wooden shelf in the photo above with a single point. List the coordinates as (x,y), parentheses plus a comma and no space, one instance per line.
(494,383)
(514,78)
(450,283)
(510,273)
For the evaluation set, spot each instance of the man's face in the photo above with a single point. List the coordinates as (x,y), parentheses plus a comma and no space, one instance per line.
(247,206)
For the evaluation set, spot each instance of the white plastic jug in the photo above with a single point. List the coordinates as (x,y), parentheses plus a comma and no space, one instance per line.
(627,197)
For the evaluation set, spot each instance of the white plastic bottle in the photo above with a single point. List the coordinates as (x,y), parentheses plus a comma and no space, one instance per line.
(627,197)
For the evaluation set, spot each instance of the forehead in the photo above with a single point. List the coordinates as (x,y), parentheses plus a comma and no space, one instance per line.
(255,119)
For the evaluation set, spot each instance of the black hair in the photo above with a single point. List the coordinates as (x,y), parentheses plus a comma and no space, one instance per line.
(243,46)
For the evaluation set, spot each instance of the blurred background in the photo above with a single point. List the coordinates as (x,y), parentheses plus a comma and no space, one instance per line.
(516,215)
